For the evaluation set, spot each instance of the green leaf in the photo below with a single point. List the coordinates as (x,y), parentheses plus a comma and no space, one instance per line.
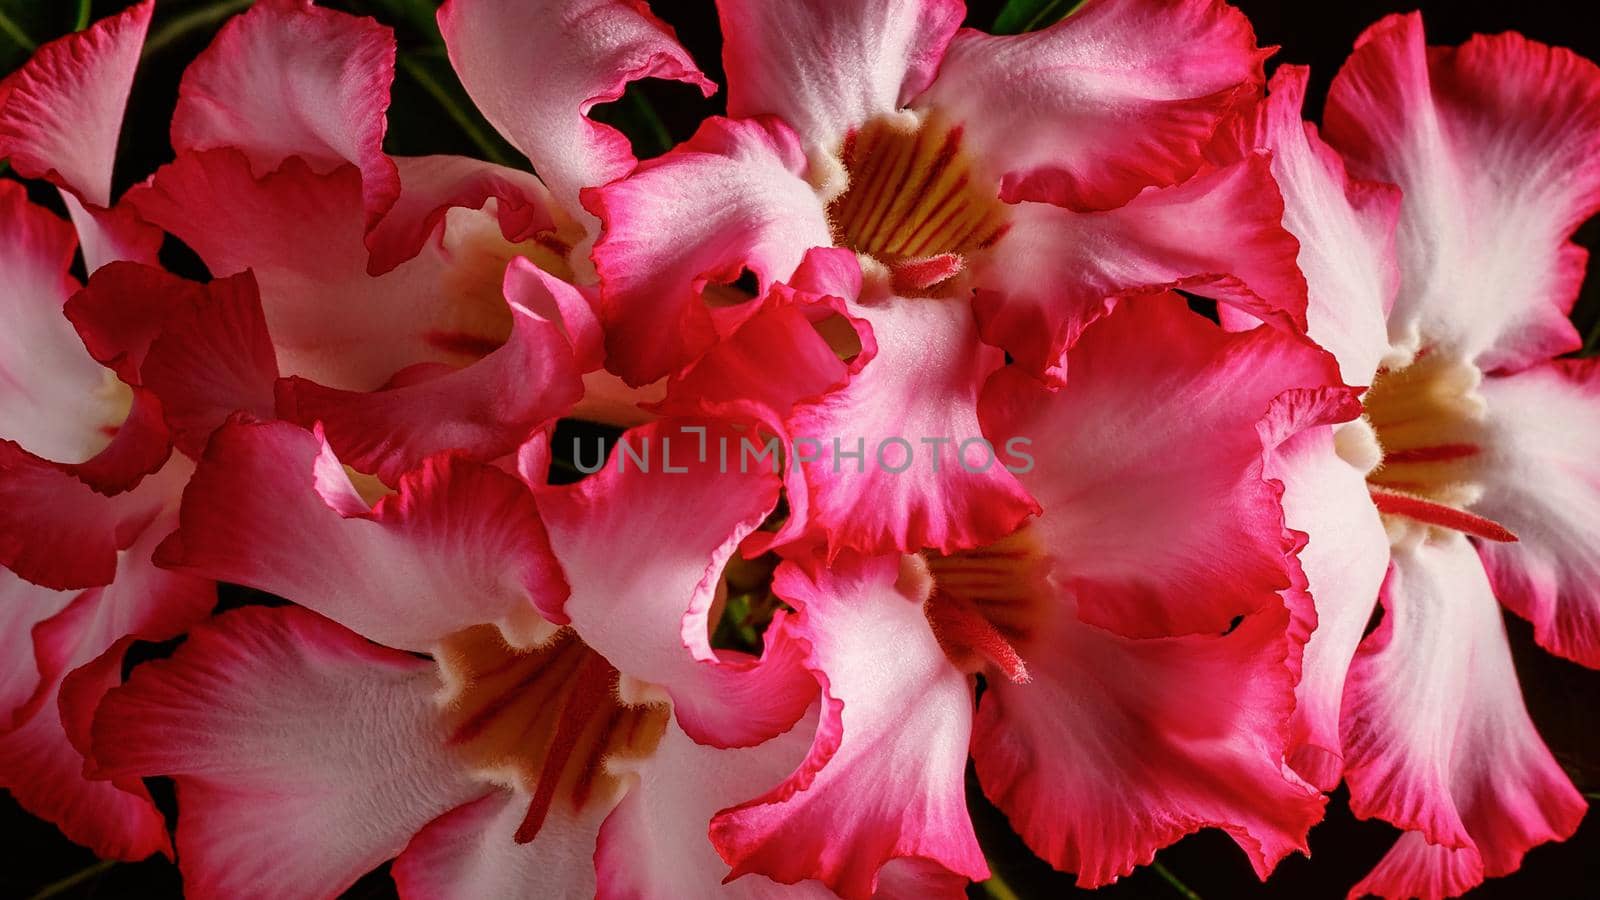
(434,75)
(1018,16)
(420,15)
(82,20)
(180,27)
(13,31)
(75,879)
(635,117)
(1171,879)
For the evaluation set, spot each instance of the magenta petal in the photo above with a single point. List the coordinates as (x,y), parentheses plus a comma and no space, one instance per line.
(459,543)
(60,114)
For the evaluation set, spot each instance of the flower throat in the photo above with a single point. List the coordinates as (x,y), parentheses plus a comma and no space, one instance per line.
(915,202)
(1427,417)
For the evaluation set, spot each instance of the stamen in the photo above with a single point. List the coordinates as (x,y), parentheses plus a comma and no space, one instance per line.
(1440,453)
(986,602)
(963,631)
(917,275)
(1426,511)
(591,688)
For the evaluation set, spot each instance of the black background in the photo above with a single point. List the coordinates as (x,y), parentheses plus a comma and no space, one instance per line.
(1562,697)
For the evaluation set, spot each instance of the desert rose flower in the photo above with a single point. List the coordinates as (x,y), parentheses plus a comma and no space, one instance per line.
(549,741)
(998,192)
(1101,740)
(1076,736)
(1472,475)
(754,651)
(410,304)
(1064,614)
(88,483)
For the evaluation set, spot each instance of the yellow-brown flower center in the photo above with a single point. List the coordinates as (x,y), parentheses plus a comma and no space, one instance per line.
(915,201)
(1427,418)
(544,720)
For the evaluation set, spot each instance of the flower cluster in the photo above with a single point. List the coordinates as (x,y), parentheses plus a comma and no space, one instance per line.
(917,455)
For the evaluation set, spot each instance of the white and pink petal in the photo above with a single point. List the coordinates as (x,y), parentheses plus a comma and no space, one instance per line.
(485,410)
(732,198)
(304,755)
(1344,559)
(61,113)
(458,544)
(1541,478)
(896,460)
(471,852)
(1496,146)
(1345,227)
(895,724)
(1057,270)
(329,112)
(300,234)
(202,349)
(537,69)
(669,488)
(826,67)
(78,654)
(1150,468)
(655,844)
(57,401)
(1118,746)
(1437,740)
(430,186)
(1119,96)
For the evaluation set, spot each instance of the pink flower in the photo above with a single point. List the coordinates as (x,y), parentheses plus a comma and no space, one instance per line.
(87,483)
(409,305)
(998,192)
(958,241)
(556,741)
(1472,474)
(1077,735)
(1106,741)
(407,318)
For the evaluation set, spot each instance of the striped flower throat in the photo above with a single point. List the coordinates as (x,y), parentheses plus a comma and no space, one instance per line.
(915,202)
(1427,418)
(545,720)
(552,720)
